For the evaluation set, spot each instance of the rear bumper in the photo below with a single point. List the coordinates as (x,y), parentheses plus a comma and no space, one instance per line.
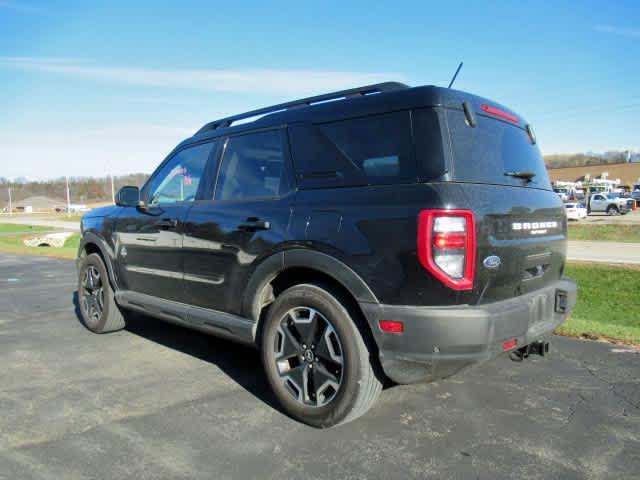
(439,341)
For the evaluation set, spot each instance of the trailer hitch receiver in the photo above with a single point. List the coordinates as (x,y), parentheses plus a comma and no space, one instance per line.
(534,348)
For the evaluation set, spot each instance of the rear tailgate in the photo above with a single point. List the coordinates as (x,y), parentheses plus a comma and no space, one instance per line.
(519,219)
(526,229)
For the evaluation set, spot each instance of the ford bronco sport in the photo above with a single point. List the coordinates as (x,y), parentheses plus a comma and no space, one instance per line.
(382,232)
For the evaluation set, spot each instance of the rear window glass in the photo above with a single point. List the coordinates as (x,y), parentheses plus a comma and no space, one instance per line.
(370,150)
(485,153)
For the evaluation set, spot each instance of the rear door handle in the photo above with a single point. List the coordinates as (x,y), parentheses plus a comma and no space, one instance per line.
(252,224)
(167,223)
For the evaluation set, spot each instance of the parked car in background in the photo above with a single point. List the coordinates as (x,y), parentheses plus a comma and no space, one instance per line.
(575,211)
(610,203)
(578,195)
(563,193)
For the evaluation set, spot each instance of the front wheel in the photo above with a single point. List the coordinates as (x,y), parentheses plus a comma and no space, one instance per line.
(612,210)
(316,359)
(98,307)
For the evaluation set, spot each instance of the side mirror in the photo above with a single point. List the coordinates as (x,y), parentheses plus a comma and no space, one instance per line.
(128,197)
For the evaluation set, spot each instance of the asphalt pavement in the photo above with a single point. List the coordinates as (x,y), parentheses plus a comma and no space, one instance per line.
(41,220)
(604,252)
(160,401)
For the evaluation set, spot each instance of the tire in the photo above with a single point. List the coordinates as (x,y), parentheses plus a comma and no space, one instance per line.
(342,358)
(96,293)
(612,210)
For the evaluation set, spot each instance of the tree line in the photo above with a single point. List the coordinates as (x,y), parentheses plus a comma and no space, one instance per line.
(584,159)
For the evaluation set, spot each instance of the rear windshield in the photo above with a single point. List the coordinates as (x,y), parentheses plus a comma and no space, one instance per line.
(484,154)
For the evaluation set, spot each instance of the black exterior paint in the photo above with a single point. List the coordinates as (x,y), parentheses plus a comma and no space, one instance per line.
(209,258)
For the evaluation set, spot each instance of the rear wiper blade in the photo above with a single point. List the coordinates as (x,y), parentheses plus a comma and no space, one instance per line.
(528,176)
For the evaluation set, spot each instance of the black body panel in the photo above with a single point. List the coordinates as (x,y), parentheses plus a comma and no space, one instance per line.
(148,250)
(223,243)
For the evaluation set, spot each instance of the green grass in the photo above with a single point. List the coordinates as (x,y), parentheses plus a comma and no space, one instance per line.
(613,233)
(16,228)
(13,244)
(63,217)
(608,302)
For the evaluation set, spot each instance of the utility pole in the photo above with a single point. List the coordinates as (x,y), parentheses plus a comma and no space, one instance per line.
(68,198)
(587,192)
(10,206)
(113,190)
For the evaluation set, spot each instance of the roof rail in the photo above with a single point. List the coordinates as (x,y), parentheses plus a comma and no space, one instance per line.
(352,92)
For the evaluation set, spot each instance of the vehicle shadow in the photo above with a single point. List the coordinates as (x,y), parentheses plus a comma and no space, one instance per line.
(241,363)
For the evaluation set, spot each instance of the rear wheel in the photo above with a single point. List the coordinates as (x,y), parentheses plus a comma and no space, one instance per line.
(316,359)
(98,307)
(612,210)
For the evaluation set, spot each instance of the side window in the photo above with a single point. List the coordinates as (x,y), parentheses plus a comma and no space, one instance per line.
(379,146)
(179,178)
(252,166)
(370,150)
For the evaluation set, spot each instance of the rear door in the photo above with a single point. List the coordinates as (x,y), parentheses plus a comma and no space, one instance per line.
(246,214)
(519,218)
(149,239)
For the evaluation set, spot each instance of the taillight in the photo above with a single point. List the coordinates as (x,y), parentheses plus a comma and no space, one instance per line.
(447,246)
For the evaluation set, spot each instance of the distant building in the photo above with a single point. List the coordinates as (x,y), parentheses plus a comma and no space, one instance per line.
(77,208)
(628,173)
(38,204)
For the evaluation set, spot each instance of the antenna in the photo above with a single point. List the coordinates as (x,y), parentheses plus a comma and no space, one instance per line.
(455,75)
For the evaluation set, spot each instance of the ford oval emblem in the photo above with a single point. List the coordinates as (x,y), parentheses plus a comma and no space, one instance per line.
(492,262)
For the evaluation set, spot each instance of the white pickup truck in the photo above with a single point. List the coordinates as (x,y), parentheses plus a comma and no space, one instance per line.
(610,203)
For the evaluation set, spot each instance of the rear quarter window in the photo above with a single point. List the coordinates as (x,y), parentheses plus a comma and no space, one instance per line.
(484,153)
(372,150)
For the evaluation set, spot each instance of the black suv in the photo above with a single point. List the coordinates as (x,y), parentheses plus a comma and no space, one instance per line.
(382,232)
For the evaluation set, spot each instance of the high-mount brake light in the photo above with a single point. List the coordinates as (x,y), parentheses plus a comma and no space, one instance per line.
(499,113)
(447,246)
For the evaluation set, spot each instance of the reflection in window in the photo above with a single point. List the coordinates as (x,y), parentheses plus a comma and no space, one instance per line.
(179,179)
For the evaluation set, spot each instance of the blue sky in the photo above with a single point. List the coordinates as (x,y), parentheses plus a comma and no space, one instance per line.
(86,89)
